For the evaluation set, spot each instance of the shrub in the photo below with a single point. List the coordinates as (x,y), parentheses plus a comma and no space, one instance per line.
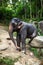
(6,15)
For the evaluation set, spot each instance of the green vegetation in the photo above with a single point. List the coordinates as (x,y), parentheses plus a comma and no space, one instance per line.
(26,10)
(37,52)
(23,9)
(8,60)
(34,50)
(15,34)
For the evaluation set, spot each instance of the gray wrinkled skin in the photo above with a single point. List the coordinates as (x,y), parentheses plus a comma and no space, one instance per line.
(26,31)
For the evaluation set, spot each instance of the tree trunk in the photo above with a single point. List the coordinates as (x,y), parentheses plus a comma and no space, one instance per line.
(36,9)
(30,10)
(41,9)
(25,8)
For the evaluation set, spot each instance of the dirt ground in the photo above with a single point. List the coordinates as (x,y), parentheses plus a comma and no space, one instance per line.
(7,48)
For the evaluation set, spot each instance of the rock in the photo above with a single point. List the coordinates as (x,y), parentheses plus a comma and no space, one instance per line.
(37,41)
(3,47)
(31,54)
(17,63)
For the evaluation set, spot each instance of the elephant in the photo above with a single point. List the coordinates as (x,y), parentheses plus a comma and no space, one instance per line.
(24,30)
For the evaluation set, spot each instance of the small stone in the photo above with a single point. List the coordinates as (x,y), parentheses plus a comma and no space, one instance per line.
(31,54)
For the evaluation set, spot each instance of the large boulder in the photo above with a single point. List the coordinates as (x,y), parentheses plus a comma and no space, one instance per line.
(37,42)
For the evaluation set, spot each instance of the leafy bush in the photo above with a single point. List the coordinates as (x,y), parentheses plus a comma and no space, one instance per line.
(6,15)
(8,61)
(37,52)
(34,50)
